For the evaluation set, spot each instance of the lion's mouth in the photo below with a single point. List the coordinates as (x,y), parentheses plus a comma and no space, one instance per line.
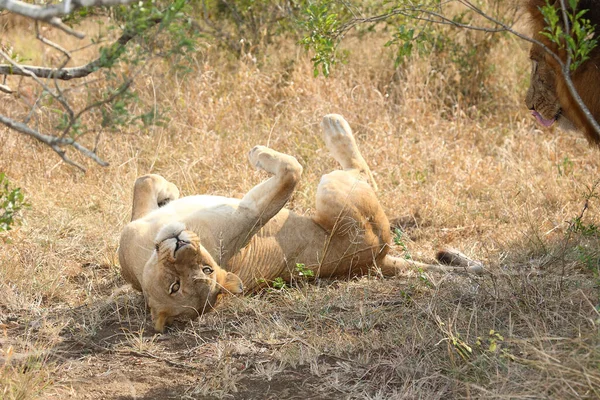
(546,122)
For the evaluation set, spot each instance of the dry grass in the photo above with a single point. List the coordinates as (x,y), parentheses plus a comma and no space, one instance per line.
(481,178)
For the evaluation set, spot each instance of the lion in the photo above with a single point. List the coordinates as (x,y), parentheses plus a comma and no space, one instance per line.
(548,96)
(183,252)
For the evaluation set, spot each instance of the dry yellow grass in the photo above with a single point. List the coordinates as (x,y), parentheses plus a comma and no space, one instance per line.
(482,178)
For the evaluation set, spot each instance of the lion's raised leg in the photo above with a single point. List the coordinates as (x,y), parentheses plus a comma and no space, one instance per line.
(348,193)
(342,146)
(347,207)
(151,192)
(267,198)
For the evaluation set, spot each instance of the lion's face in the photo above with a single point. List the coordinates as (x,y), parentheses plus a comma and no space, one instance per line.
(181,280)
(542,98)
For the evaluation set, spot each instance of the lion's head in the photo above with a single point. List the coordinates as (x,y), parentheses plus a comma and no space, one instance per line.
(548,96)
(181,279)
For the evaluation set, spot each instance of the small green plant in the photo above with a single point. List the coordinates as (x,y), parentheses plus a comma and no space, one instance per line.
(565,167)
(398,241)
(491,343)
(425,279)
(462,348)
(303,271)
(12,201)
(589,258)
(586,230)
(276,284)
(580,41)
(419,176)
(279,284)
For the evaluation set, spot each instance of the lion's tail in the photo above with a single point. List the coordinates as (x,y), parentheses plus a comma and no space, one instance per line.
(450,260)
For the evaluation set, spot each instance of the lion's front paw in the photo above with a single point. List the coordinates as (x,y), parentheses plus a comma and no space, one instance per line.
(167,193)
(260,157)
(273,161)
(337,129)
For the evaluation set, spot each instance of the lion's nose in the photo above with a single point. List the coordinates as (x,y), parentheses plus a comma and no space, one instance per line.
(180,243)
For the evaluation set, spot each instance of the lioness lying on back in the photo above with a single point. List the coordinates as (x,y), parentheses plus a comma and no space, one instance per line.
(181,255)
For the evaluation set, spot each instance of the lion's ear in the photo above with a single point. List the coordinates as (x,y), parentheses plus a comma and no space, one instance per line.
(230,283)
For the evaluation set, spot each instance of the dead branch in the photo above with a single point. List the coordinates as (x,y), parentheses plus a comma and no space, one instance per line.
(51,13)
(60,73)
(47,12)
(65,74)
(54,142)
(5,89)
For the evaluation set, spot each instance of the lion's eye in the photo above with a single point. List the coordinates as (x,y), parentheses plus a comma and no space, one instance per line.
(174,287)
(534,65)
(207,270)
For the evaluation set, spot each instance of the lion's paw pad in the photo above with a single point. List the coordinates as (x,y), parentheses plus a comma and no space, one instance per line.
(259,155)
(336,127)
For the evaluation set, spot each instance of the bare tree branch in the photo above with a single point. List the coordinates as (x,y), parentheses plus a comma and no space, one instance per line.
(54,142)
(65,74)
(72,72)
(69,121)
(57,22)
(57,96)
(49,42)
(51,13)
(47,12)
(5,89)
(411,13)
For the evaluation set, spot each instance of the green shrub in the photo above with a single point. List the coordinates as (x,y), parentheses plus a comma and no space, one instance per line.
(12,201)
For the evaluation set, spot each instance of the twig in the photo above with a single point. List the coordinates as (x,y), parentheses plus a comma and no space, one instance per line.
(5,89)
(66,74)
(47,12)
(49,42)
(57,23)
(54,142)
(19,67)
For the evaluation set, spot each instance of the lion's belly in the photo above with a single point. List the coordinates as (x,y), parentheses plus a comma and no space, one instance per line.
(260,262)
(274,252)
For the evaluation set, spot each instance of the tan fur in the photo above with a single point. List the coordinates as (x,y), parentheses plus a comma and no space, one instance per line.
(206,245)
(548,93)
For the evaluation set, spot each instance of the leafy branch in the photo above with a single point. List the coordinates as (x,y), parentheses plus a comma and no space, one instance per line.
(140,22)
